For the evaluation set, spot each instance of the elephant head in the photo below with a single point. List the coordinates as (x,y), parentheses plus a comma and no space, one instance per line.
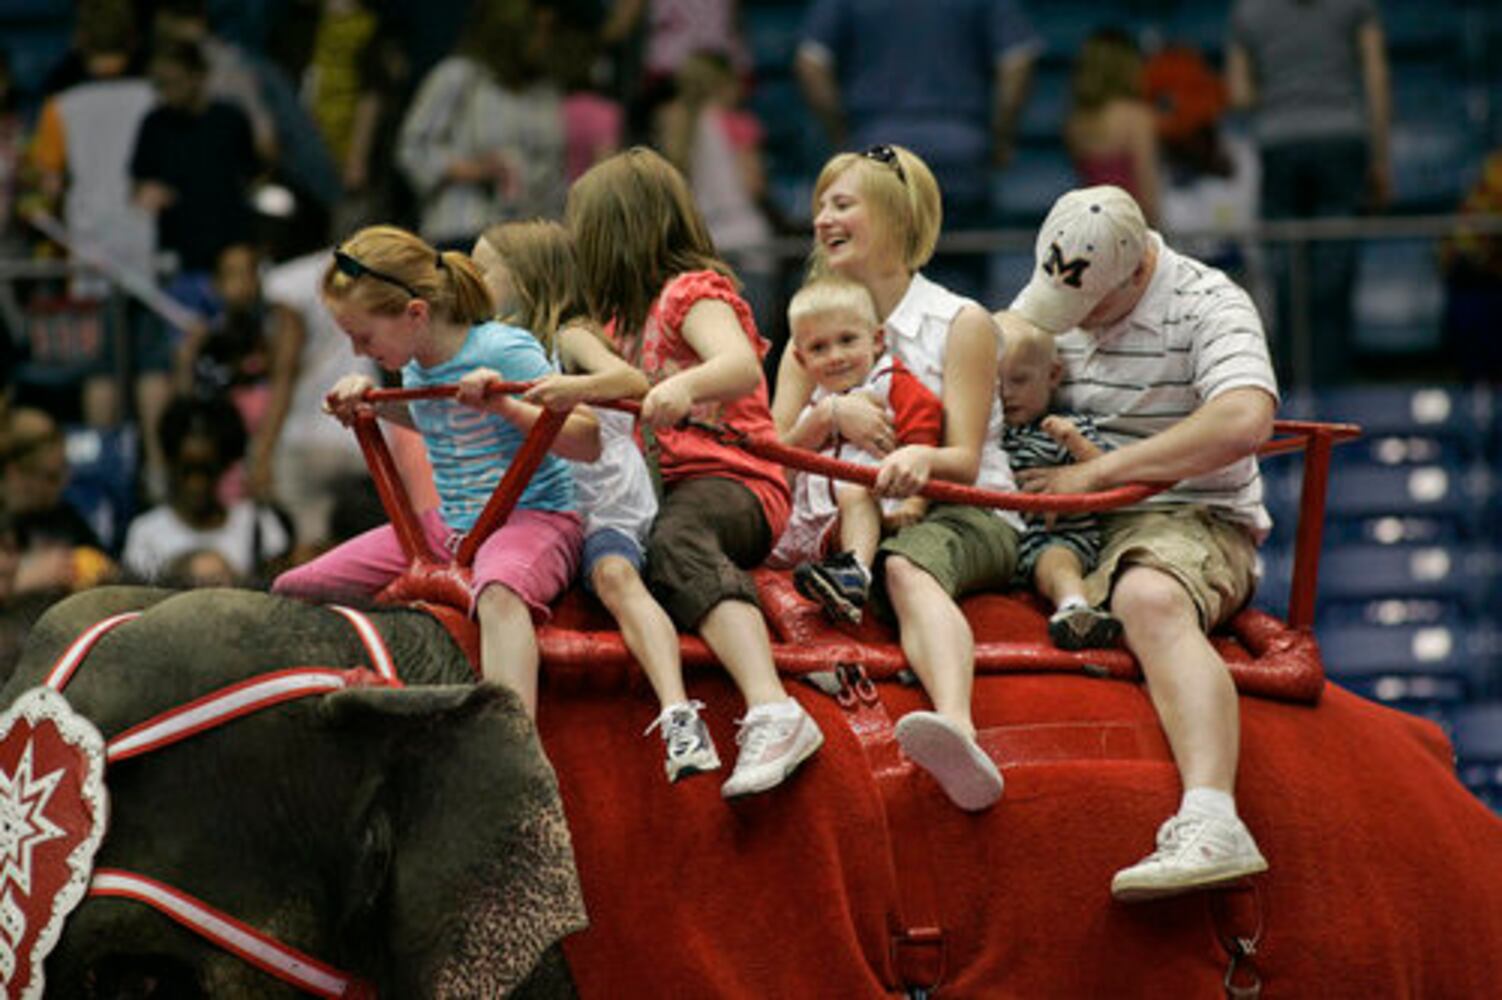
(412,837)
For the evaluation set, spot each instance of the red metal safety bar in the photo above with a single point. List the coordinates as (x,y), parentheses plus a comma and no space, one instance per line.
(1316,440)
(508,491)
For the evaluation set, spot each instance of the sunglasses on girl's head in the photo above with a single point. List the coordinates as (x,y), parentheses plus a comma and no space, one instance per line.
(352,267)
(887,155)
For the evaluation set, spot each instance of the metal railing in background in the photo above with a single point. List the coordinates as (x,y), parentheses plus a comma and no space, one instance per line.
(1298,236)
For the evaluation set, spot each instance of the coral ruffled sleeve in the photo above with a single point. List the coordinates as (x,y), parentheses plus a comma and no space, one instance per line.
(686,290)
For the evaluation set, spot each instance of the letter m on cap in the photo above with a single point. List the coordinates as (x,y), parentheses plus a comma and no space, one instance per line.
(1072,271)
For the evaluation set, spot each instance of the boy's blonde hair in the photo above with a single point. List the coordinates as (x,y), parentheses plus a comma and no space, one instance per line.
(449,281)
(1025,341)
(903,194)
(831,293)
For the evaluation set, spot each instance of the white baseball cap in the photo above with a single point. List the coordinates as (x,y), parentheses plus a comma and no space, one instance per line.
(1091,242)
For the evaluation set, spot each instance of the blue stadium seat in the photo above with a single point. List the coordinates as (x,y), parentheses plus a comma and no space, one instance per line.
(1358,573)
(792,193)
(1422,26)
(1391,612)
(1446,411)
(1065,24)
(1010,271)
(795,144)
(1047,103)
(1398,299)
(1202,25)
(1434,160)
(34,49)
(1426,670)
(1028,187)
(1399,529)
(1444,491)
(1477,734)
(772,31)
(1368,649)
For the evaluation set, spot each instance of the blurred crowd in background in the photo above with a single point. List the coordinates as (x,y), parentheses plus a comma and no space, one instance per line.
(173,174)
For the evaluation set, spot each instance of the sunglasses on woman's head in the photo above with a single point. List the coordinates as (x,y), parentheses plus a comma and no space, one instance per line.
(353,267)
(886,155)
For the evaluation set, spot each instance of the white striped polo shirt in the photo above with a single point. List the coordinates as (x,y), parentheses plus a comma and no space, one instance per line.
(1194,335)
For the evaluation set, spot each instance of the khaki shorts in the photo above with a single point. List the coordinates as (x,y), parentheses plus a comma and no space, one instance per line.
(964,548)
(1212,557)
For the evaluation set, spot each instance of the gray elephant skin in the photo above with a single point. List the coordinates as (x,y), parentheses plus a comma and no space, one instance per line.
(412,837)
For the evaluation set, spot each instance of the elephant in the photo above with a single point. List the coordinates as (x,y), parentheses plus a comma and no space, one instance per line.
(411,836)
(857,878)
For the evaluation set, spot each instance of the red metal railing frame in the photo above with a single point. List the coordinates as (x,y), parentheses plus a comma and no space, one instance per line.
(1315,439)
(393,492)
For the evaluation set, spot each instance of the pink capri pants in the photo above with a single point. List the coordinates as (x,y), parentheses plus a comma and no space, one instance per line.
(534,554)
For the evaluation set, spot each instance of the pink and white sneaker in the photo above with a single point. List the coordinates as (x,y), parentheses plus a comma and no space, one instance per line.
(772,745)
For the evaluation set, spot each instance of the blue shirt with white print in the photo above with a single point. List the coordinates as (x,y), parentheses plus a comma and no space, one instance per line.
(469,448)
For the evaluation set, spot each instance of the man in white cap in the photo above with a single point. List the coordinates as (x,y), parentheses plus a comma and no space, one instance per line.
(1170,358)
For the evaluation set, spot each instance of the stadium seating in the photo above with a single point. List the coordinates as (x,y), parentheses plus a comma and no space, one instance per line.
(1047,104)
(1037,175)
(1397,302)
(1409,573)
(1477,733)
(1454,413)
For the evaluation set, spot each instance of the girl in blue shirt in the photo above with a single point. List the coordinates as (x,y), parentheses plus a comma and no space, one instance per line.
(427,315)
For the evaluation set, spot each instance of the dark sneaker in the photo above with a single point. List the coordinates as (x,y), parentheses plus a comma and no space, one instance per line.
(1083,627)
(839,584)
(686,741)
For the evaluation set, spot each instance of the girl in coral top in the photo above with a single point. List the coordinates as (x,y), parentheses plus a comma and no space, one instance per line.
(650,272)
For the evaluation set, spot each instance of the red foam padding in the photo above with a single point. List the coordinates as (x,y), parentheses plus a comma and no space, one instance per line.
(1384,869)
(1266,657)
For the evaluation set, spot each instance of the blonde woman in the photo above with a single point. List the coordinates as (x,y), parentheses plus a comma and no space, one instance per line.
(876,220)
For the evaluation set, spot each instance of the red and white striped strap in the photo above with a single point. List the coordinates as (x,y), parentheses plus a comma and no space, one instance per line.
(62,670)
(266,953)
(229,703)
(375,646)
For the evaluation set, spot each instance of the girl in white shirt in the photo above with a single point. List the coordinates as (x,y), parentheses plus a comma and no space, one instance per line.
(532,274)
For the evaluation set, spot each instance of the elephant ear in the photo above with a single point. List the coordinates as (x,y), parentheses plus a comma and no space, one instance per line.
(482,878)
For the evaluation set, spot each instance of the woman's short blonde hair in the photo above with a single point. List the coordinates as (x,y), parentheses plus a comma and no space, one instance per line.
(902,192)
(1023,341)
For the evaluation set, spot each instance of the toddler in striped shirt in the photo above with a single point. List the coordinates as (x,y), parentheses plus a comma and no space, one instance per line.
(1055,553)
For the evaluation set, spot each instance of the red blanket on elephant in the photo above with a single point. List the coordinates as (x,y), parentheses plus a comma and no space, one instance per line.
(859,878)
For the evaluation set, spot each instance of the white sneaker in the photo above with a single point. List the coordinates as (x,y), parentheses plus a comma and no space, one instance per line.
(955,760)
(686,741)
(772,747)
(1195,851)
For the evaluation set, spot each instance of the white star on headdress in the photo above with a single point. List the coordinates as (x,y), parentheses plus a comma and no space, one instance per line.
(23,820)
